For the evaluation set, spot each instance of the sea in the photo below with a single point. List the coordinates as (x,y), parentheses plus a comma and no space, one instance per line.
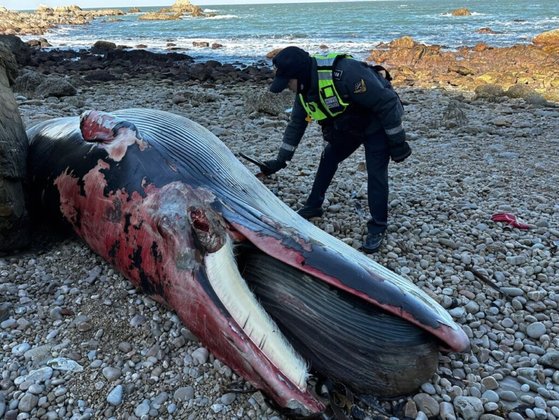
(246,33)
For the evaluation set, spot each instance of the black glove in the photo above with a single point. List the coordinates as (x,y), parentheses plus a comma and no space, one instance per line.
(272,166)
(399,152)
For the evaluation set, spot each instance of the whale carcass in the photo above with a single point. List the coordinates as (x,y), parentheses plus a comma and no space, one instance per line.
(277,299)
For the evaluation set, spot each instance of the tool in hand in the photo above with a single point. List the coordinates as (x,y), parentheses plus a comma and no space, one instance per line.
(263,167)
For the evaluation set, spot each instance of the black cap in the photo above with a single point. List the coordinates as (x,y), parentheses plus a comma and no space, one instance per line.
(290,63)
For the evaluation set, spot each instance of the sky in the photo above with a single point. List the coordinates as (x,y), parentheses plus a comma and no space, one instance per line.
(101,4)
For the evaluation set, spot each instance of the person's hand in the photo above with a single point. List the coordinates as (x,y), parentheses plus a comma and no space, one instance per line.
(400,151)
(272,166)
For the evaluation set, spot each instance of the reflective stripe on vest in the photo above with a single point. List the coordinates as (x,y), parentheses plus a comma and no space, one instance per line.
(331,104)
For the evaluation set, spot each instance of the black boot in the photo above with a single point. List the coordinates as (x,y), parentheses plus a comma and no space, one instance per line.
(373,242)
(308,212)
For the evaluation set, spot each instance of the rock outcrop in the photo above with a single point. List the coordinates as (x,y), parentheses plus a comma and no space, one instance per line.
(185,7)
(175,12)
(461,12)
(532,66)
(14,225)
(44,18)
(549,38)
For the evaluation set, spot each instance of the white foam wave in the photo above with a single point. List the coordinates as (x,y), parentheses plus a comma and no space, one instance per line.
(217,17)
(449,14)
(246,51)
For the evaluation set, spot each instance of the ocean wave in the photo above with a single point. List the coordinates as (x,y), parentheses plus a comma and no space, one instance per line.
(218,17)
(354,28)
(449,14)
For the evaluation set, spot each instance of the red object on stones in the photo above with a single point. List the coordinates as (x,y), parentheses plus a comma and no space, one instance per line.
(511,219)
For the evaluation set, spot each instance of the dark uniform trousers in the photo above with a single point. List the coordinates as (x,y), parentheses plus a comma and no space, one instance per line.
(340,145)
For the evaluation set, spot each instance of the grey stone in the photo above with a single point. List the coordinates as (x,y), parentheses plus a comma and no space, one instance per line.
(469,408)
(427,404)
(490,417)
(142,409)
(20,349)
(38,375)
(184,393)
(56,86)
(512,291)
(535,330)
(200,355)
(410,409)
(446,411)
(36,389)
(115,397)
(28,402)
(490,396)
(111,373)
(508,396)
(228,398)
(490,383)
(551,359)
(39,353)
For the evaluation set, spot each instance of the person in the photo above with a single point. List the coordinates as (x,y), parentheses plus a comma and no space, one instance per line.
(355,105)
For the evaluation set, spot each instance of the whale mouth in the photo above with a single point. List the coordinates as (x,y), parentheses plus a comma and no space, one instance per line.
(306,327)
(234,293)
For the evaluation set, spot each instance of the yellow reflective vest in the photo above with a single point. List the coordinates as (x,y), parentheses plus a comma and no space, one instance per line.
(331,104)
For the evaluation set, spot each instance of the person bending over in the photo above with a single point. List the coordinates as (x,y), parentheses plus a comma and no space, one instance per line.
(354,104)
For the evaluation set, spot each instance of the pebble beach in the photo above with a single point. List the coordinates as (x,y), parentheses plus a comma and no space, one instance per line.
(78,341)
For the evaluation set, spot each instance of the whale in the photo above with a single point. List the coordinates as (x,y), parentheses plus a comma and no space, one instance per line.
(283,303)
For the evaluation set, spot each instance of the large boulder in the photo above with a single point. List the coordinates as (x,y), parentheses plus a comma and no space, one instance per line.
(56,86)
(184,6)
(532,67)
(102,47)
(28,82)
(14,224)
(547,38)
(19,49)
(461,12)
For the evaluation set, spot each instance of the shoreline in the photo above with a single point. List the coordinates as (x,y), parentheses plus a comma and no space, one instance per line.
(475,154)
(521,71)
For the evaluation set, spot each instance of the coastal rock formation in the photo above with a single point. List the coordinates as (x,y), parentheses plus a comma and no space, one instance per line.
(163,14)
(549,38)
(19,49)
(45,18)
(175,12)
(532,66)
(185,7)
(106,62)
(461,12)
(14,224)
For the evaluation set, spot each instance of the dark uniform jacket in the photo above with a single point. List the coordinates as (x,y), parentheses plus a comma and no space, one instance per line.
(374,105)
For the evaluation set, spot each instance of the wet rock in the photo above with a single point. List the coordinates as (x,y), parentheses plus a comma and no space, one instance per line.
(461,12)
(547,38)
(469,408)
(14,223)
(57,87)
(427,404)
(28,402)
(550,359)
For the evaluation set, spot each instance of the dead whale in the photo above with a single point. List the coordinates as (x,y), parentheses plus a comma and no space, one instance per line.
(274,297)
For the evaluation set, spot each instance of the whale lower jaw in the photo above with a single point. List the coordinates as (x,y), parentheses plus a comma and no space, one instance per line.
(257,325)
